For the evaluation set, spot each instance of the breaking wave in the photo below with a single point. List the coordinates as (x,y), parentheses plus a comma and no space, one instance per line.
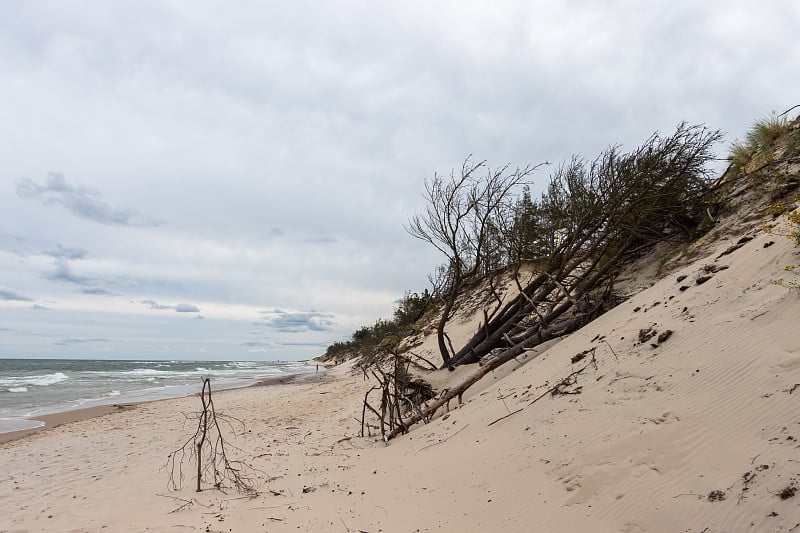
(20,382)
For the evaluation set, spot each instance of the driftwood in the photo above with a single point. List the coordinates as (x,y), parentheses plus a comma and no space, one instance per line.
(560,388)
(209,450)
(425,412)
(400,394)
(593,217)
(364,411)
(460,214)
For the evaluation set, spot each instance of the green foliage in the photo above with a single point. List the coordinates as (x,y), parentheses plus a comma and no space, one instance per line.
(791,283)
(383,334)
(794,227)
(627,201)
(792,231)
(532,232)
(793,234)
(411,307)
(755,150)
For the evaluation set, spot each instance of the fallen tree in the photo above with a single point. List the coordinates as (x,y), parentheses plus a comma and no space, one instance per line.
(604,212)
(459,220)
(597,215)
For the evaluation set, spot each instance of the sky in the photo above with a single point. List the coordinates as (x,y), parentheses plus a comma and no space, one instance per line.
(231,180)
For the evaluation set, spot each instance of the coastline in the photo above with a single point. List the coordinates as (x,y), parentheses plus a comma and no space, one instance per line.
(64,417)
(96,469)
(69,415)
(695,433)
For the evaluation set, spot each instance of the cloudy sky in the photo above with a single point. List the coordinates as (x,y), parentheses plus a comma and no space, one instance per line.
(230,180)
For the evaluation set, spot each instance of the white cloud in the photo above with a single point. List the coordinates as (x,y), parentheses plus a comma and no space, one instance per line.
(282,146)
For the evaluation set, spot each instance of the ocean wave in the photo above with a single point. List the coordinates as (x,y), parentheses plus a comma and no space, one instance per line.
(243,364)
(18,389)
(137,372)
(150,374)
(37,381)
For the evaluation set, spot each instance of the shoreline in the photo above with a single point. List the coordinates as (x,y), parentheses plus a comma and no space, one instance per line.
(67,416)
(695,433)
(100,473)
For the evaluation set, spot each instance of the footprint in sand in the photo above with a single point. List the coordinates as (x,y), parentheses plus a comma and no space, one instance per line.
(571,482)
(666,418)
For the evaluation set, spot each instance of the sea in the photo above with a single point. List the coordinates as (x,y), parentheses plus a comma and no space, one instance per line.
(31,387)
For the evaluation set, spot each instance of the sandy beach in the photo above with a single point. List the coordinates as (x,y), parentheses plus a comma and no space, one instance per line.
(699,432)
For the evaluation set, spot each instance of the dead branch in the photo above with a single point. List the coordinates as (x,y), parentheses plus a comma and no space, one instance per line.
(504,417)
(401,394)
(432,366)
(593,216)
(207,448)
(185,504)
(364,410)
(561,386)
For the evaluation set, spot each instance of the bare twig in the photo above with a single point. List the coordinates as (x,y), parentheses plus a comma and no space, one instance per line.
(504,417)
(787,111)
(612,350)
(207,448)
(559,388)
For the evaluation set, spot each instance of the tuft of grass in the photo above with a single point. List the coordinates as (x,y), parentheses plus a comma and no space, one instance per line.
(755,147)
(794,226)
(790,283)
(776,209)
(793,234)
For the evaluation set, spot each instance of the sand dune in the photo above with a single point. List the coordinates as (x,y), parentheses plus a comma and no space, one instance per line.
(698,433)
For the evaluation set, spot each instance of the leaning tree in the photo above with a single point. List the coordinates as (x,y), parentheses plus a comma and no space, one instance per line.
(603,212)
(461,213)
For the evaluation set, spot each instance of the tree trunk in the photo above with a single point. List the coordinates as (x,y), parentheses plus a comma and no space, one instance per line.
(440,337)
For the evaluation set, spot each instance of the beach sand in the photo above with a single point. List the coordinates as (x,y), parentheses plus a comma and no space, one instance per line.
(697,433)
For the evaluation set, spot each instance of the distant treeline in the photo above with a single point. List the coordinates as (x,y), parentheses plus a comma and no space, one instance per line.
(591,218)
(368,338)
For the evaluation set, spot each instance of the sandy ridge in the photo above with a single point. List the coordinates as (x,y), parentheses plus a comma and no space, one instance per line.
(653,433)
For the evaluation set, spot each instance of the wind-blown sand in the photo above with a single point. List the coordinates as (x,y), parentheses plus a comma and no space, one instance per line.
(654,432)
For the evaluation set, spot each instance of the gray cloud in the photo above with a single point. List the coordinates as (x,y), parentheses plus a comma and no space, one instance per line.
(64,252)
(255,344)
(71,341)
(9,295)
(78,200)
(180,308)
(155,305)
(39,307)
(96,291)
(312,129)
(63,272)
(199,317)
(296,321)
